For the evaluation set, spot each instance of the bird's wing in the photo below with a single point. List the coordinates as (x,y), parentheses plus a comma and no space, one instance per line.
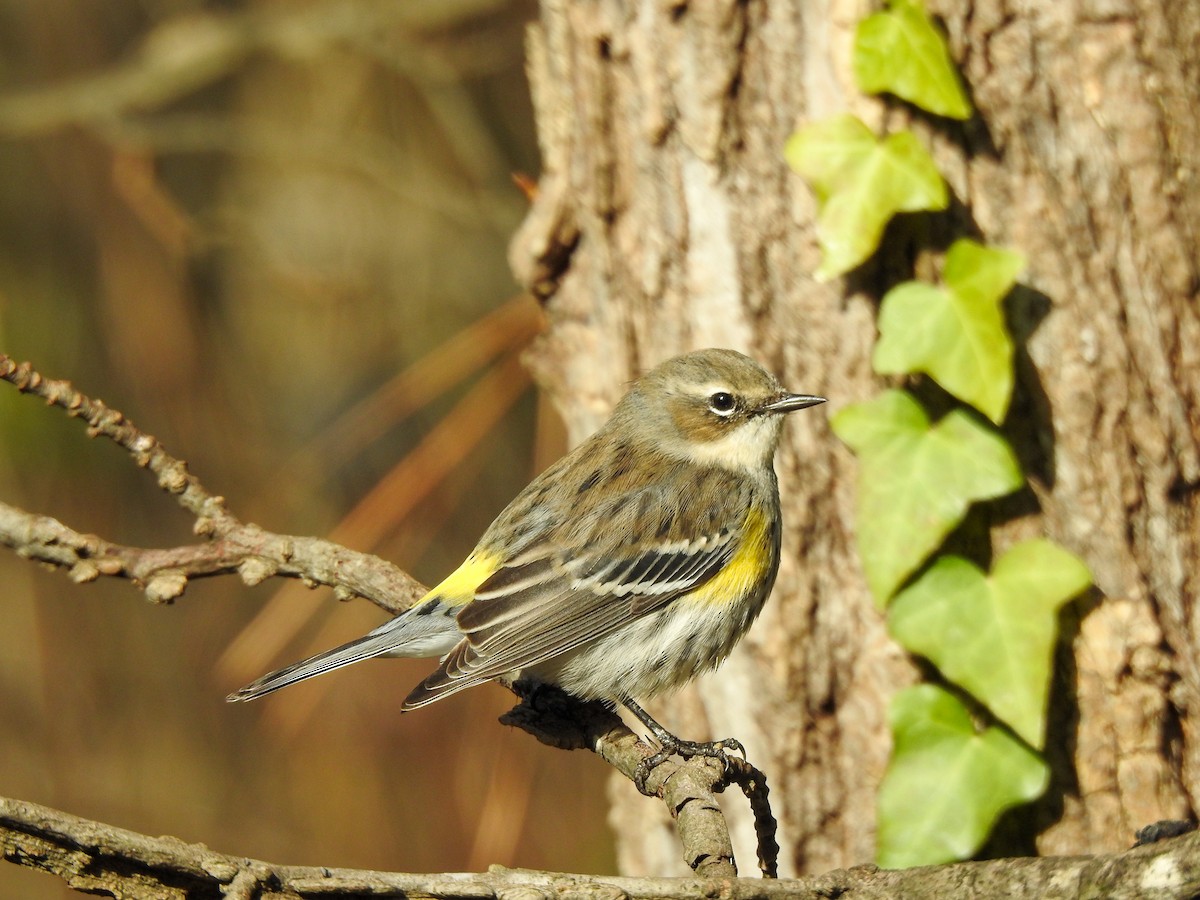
(542,604)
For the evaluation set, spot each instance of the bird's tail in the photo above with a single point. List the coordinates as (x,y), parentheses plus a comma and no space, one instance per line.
(413,633)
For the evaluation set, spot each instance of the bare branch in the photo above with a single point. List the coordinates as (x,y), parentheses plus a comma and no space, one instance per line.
(94,857)
(688,788)
(234,546)
(97,858)
(251,552)
(147,452)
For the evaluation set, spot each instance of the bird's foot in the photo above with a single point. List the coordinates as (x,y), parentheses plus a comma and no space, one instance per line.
(669,746)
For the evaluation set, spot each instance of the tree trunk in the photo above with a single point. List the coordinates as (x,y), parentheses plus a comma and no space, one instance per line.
(666,219)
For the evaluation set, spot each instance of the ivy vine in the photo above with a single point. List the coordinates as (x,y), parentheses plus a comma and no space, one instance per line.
(963,755)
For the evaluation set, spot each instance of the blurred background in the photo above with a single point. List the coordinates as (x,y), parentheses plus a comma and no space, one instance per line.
(273,234)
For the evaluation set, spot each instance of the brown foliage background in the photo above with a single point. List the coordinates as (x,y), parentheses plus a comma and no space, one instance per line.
(235,222)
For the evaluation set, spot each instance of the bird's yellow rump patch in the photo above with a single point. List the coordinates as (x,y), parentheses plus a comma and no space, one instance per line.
(458,588)
(744,570)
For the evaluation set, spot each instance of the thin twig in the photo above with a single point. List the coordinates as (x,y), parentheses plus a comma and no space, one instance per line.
(173,477)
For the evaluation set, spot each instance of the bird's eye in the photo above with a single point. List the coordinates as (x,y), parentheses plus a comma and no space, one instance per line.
(722,403)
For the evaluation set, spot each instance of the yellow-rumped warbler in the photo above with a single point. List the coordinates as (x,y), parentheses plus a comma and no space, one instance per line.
(631,565)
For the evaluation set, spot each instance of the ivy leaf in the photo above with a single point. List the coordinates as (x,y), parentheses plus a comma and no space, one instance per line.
(860,183)
(994,636)
(947,781)
(916,481)
(901,52)
(955,334)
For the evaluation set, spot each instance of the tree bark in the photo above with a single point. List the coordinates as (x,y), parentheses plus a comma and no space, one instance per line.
(666,219)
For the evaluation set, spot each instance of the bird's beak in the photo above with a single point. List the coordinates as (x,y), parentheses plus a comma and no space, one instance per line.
(786,403)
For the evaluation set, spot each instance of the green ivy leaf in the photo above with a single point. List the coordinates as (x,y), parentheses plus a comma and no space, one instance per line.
(901,52)
(994,636)
(947,781)
(955,334)
(860,183)
(916,481)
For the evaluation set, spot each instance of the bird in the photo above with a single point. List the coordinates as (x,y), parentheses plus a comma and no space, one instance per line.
(627,568)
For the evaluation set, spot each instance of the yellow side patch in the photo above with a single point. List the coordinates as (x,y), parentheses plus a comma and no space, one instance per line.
(458,588)
(744,571)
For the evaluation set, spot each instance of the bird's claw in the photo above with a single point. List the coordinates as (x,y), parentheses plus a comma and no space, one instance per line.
(718,750)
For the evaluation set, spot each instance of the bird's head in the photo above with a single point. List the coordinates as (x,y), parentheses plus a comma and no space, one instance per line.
(712,406)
